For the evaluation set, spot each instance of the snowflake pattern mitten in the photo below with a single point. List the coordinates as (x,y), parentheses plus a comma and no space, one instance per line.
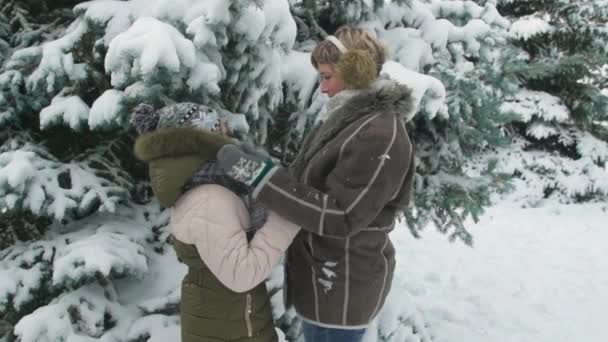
(242,167)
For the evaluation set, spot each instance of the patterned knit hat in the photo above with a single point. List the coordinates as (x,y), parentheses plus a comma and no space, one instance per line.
(146,119)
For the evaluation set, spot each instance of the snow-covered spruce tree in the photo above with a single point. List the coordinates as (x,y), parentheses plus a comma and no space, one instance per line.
(561,113)
(94,261)
(27,23)
(58,184)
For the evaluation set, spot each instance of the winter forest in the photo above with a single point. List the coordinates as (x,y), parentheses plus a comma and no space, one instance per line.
(507,225)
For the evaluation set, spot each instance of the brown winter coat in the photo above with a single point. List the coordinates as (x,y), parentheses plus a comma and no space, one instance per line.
(353,175)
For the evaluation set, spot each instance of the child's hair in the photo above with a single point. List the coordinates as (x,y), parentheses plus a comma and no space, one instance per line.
(353,38)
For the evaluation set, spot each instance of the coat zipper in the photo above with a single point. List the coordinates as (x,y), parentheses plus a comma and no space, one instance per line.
(248,316)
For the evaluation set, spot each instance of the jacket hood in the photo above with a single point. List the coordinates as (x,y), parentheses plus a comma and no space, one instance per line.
(178,142)
(174,155)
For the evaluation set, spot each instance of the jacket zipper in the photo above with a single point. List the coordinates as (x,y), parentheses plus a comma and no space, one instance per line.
(248,316)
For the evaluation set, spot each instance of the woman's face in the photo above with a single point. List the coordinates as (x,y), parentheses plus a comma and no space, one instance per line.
(331,84)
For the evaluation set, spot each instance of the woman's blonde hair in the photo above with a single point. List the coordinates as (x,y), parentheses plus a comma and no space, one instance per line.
(353,38)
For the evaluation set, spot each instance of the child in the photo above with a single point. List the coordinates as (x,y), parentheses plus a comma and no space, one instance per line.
(224,297)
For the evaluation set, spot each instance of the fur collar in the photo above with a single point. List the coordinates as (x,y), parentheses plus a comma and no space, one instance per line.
(384,97)
(178,141)
(384,94)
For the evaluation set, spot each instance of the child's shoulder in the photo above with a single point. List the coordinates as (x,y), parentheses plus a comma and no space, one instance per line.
(212,199)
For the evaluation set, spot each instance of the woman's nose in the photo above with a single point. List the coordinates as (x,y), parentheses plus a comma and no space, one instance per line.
(323,87)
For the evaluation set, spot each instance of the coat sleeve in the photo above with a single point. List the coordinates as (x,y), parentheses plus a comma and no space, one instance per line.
(216,229)
(365,178)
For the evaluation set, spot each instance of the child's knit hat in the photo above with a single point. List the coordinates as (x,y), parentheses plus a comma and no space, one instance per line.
(146,119)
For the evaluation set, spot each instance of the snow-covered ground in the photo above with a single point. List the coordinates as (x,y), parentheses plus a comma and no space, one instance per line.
(533,275)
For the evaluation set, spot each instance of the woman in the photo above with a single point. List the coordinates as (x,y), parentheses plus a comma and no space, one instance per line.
(223,294)
(352,176)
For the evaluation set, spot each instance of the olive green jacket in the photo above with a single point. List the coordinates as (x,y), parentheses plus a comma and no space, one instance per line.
(210,311)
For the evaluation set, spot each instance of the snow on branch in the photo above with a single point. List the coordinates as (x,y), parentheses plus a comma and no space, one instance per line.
(56,61)
(300,77)
(94,250)
(74,316)
(590,147)
(105,253)
(212,12)
(12,99)
(541,130)
(408,48)
(113,15)
(147,46)
(429,92)
(432,19)
(270,24)
(401,318)
(529,103)
(108,110)
(539,176)
(31,179)
(22,272)
(528,27)
(70,110)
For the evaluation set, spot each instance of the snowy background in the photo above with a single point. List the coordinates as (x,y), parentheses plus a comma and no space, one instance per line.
(535,274)
(511,131)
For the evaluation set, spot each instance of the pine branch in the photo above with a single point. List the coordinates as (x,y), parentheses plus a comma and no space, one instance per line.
(316,28)
(307,13)
(21,19)
(20,227)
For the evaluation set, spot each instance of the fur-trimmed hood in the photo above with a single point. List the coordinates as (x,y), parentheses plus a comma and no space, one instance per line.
(178,142)
(173,156)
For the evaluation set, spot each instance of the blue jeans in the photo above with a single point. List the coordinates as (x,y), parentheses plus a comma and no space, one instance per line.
(315,333)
